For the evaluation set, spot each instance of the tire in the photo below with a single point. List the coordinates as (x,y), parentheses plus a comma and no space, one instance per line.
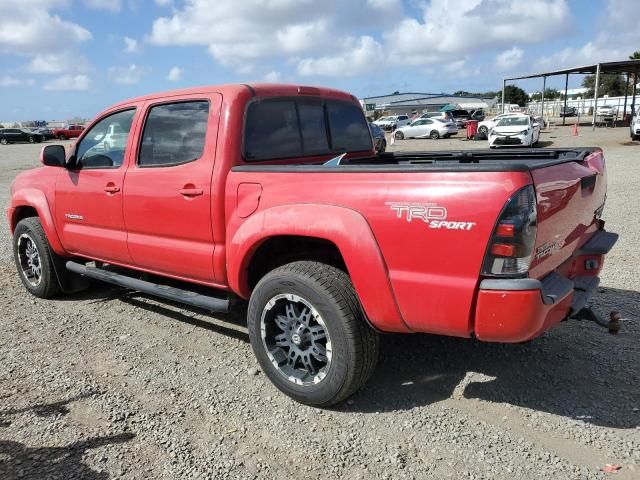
(383,147)
(62,138)
(325,297)
(434,135)
(32,140)
(4,141)
(483,131)
(29,235)
(399,136)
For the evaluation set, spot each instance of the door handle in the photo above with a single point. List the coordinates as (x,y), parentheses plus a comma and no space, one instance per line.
(190,192)
(111,189)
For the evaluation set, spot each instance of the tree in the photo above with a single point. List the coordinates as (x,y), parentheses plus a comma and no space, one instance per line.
(549,94)
(635,55)
(513,94)
(610,84)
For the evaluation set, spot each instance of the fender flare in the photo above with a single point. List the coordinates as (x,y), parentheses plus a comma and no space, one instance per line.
(344,227)
(31,197)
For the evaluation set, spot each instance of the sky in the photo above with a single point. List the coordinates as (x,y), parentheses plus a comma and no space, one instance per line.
(62,58)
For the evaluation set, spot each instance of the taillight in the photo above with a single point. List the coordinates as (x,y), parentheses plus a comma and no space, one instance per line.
(511,245)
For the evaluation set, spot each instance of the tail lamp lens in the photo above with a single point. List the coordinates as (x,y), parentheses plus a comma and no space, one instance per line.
(513,239)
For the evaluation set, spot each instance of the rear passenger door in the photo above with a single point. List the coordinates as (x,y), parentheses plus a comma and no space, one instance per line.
(167,190)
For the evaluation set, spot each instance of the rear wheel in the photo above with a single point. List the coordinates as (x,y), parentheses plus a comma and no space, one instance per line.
(434,135)
(32,255)
(383,146)
(399,136)
(309,333)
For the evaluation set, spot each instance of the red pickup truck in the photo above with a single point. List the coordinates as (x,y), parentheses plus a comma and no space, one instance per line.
(69,131)
(219,194)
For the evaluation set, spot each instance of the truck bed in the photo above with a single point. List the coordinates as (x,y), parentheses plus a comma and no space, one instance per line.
(508,160)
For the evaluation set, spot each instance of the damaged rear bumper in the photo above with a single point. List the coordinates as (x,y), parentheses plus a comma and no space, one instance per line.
(516,310)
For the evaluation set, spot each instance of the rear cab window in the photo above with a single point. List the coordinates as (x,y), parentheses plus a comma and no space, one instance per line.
(280,128)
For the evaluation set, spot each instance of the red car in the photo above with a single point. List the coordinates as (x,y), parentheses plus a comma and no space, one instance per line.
(70,131)
(273,194)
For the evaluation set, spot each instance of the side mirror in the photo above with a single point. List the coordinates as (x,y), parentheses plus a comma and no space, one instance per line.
(53,156)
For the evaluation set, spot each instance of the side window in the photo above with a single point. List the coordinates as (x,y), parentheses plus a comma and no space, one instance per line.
(98,149)
(174,134)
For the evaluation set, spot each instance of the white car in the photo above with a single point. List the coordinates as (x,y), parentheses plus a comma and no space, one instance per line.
(634,127)
(607,110)
(520,130)
(115,138)
(486,125)
(427,128)
(392,122)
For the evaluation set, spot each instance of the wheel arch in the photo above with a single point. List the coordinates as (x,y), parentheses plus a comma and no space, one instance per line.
(33,203)
(338,234)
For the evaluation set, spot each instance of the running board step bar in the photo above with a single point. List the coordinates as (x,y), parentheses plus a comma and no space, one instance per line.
(212,304)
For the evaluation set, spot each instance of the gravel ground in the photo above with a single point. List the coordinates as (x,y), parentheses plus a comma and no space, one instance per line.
(112,384)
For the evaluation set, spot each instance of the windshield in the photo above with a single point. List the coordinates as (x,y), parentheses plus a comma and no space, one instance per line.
(513,121)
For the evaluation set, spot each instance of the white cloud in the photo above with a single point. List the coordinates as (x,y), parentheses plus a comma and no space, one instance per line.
(357,58)
(69,82)
(66,61)
(467,26)
(109,5)
(30,28)
(175,74)
(272,77)
(9,81)
(131,45)
(455,66)
(615,38)
(164,3)
(509,58)
(253,30)
(129,75)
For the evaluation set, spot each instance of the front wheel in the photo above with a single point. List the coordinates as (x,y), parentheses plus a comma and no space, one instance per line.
(399,136)
(32,255)
(4,141)
(383,147)
(62,137)
(309,333)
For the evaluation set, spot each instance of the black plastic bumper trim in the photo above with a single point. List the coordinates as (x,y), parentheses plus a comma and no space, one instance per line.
(553,287)
(599,244)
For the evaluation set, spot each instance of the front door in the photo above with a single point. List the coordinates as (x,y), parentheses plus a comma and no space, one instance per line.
(167,191)
(88,205)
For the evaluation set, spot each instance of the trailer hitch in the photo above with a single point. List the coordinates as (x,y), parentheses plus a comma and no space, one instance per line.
(613,325)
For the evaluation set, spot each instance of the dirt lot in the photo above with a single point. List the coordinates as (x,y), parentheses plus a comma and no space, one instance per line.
(111,384)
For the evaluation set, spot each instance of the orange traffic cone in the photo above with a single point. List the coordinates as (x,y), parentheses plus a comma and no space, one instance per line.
(575,129)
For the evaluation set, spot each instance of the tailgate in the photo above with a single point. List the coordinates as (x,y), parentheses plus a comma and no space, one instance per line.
(570,199)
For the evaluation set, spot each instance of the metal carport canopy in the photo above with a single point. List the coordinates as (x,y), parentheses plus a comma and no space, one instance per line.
(625,66)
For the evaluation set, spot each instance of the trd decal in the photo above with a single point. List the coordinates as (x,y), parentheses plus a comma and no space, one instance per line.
(73,216)
(547,248)
(430,213)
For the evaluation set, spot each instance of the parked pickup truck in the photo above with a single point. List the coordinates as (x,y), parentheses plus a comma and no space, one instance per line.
(244,192)
(69,131)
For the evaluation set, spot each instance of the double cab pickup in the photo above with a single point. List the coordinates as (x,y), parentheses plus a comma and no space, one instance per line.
(273,195)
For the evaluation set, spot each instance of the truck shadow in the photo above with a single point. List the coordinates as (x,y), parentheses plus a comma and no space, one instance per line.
(576,370)
(17,460)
